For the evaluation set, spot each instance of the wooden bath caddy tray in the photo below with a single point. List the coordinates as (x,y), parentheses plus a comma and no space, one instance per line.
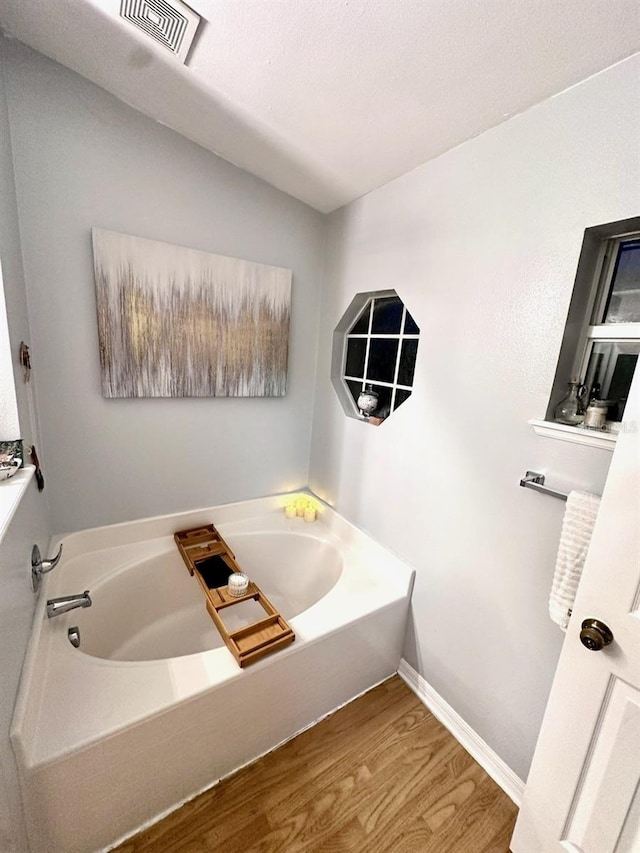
(209,558)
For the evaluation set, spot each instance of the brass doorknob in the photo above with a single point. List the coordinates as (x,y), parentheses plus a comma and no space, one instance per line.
(595,635)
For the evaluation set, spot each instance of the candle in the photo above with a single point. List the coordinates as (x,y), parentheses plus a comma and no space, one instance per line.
(310,513)
(301,505)
(291,510)
(237,584)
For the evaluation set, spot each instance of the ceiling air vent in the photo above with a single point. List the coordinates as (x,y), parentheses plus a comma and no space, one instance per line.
(169,22)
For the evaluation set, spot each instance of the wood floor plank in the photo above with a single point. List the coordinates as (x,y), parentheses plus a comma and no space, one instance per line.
(381,775)
(474,823)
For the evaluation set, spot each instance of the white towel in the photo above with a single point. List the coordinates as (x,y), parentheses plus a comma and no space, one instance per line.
(577,527)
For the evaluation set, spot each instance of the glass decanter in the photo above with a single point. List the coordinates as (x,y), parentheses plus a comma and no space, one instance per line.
(570,410)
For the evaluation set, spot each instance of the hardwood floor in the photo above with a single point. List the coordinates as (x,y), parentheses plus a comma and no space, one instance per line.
(379,775)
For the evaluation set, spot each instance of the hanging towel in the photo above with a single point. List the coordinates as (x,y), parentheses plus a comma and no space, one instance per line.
(577,527)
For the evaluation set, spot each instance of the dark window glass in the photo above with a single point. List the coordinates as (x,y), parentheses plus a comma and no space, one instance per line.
(407,362)
(623,304)
(610,371)
(401,396)
(621,379)
(355,388)
(356,351)
(410,325)
(387,316)
(382,359)
(361,326)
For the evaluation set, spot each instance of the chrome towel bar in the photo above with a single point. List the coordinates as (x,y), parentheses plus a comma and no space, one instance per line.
(533,480)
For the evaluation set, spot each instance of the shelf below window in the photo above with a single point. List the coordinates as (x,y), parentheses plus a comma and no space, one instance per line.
(575,434)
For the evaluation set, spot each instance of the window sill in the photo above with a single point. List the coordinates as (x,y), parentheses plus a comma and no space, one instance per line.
(11,493)
(576,435)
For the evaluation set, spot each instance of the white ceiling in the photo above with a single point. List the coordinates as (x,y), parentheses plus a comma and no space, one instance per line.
(328,99)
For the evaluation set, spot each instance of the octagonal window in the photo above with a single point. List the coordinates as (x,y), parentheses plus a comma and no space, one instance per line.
(374,356)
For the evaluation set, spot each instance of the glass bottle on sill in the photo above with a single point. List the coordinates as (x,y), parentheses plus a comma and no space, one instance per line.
(570,410)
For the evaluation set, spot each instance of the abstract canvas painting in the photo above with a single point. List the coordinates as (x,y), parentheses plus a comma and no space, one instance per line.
(177,322)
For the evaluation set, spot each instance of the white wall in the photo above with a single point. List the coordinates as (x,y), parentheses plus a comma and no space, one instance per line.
(482,244)
(82,158)
(17,601)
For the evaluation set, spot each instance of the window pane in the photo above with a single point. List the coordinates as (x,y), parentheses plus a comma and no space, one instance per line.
(356,351)
(382,359)
(610,371)
(387,316)
(355,388)
(407,362)
(384,401)
(623,305)
(401,396)
(361,326)
(410,325)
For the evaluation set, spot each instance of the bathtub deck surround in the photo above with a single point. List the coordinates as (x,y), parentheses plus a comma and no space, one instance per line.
(116,729)
(265,631)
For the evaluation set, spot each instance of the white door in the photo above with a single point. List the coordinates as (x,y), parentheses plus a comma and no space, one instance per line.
(583,791)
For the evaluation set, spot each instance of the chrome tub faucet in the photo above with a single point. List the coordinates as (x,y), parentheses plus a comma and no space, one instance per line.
(56,606)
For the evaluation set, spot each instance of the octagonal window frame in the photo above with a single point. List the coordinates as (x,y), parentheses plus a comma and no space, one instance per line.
(344,332)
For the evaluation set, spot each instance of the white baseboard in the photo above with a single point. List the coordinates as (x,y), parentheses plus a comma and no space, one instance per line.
(503,775)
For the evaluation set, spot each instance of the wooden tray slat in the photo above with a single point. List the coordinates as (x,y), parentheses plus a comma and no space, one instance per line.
(228,600)
(210,549)
(241,633)
(274,646)
(259,640)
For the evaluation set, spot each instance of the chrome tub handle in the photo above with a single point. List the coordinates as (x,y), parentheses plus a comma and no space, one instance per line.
(40,567)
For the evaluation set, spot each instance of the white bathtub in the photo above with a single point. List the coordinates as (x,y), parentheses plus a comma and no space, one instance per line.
(153,708)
